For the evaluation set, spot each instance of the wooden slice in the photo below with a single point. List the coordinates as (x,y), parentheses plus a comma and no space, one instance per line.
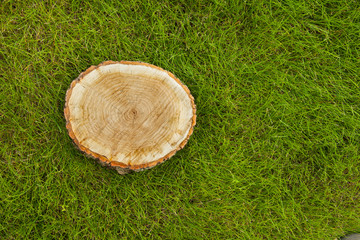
(129,115)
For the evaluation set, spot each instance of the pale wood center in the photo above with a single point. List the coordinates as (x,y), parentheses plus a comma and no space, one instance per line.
(132,114)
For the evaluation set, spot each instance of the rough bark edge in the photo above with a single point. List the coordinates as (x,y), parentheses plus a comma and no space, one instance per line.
(120,167)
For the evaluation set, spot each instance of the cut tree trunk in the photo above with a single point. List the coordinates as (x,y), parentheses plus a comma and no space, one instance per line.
(129,115)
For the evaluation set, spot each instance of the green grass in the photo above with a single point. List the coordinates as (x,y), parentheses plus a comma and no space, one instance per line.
(275,153)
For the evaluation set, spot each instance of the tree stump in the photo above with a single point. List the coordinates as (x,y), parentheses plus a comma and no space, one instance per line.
(130,116)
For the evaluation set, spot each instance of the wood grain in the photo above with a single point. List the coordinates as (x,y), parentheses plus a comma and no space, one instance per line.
(129,115)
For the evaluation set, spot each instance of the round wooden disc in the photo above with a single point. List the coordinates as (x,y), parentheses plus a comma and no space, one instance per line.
(129,115)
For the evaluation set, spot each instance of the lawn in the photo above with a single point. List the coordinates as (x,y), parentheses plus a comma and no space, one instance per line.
(275,153)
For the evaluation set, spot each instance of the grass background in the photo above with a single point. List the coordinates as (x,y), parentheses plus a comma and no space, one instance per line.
(274,155)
